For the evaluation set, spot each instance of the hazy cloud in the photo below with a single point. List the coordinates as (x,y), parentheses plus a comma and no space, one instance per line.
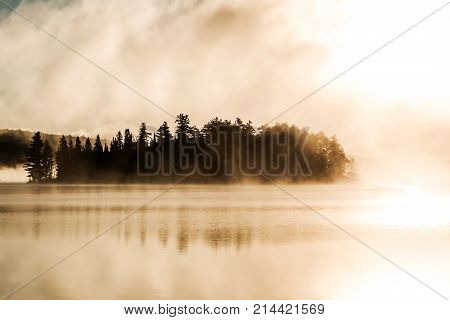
(228,58)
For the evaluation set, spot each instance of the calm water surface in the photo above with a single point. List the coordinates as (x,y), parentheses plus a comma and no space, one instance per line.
(223,242)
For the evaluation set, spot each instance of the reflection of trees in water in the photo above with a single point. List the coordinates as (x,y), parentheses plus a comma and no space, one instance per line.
(143,233)
(219,237)
(225,236)
(163,236)
(169,227)
(81,222)
(172,225)
(36,227)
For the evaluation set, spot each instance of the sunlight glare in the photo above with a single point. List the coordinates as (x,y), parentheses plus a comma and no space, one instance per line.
(414,207)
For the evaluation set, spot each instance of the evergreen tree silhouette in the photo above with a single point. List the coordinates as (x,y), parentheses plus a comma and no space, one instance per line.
(78,147)
(142,145)
(129,156)
(72,162)
(33,165)
(98,147)
(143,135)
(47,162)
(163,134)
(106,157)
(70,145)
(226,145)
(128,141)
(62,159)
(77,160)
(87,147)
(98,164)
(119,141)
(183,128)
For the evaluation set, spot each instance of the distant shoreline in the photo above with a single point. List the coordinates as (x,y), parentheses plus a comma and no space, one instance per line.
(186,182)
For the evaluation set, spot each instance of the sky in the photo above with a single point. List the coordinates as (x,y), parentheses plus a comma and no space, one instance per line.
(250,59)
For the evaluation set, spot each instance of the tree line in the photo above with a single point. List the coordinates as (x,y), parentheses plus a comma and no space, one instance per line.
(221,151)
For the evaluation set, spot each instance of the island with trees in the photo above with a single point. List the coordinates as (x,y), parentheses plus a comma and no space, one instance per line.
(222,151)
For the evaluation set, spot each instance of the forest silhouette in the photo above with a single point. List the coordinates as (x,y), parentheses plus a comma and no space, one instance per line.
(221,151)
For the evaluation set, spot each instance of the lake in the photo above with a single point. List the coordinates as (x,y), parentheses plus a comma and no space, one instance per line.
(224,242)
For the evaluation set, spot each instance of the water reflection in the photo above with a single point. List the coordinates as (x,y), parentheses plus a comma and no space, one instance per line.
(220,228)
(212,242)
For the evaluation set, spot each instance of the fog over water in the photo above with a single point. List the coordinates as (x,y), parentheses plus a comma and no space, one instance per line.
(223,242)
(231,59)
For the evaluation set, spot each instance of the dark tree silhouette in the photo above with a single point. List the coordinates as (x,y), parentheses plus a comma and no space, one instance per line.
(114,146)
(163,134)
(47,162)
(70,145)
(62,160)
(119,141)
(183,128)
(71,170)
(34,162)
(222,151)
(13,148)
(98,147)
(143,135)
(78,147)
(87,146)
(128,141)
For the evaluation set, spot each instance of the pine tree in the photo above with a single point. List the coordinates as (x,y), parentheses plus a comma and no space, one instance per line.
(106,153)
(326,157)
(62,159)
(114,146)
(47,162)
(128,141)
(143,135)
(87,146)
(33,164)
(119,140)
(98,146)
(78,147)
(70,144)
(183,128)
(163,134)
